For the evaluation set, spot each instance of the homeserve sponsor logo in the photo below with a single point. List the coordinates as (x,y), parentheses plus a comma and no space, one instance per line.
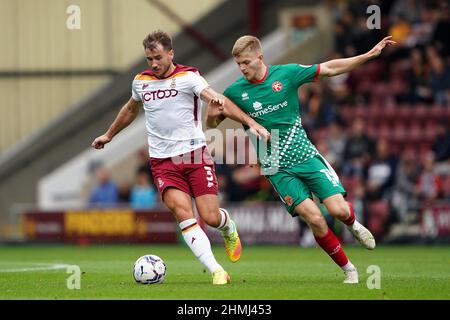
(268,109)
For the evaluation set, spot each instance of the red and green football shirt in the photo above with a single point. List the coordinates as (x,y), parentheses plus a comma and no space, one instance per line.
(273,102)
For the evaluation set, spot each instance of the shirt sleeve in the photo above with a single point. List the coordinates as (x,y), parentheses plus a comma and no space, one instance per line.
(134,92)
(226,93)
(304,74)
(198,83)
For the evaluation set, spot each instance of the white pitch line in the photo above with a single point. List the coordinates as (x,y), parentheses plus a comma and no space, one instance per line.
(49,267)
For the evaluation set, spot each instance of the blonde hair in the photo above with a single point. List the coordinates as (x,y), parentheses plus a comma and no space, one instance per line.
(246,43)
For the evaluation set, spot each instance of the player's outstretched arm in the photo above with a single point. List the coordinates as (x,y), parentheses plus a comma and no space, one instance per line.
(220,107)
(125,116)
(338,66)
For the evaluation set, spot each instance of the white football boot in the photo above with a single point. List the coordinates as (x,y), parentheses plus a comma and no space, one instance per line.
(351,276)
(363,235)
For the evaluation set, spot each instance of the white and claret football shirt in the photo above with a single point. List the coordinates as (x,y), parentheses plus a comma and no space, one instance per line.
(172,108)
(273,103)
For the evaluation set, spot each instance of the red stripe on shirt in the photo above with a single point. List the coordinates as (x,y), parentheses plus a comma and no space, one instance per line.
(263,78)
(195,110)
(316,77)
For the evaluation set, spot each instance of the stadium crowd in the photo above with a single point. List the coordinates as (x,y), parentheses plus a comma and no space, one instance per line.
(385,127)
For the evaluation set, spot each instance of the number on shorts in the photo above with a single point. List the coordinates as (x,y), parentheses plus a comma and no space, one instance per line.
(330,173)
(333,179)
(209,174)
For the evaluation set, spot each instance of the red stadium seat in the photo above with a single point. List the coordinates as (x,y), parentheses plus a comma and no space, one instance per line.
(389,113)
(420,112)
(446,185)
(424,148)
(346,113)
(398,85)
(361,112)
(415,132)
(372,129)
(374,113)
(395,147)
(384,131)
(319,134)
(437,112)
(430,130)
(399,132)
(350,184)
(403,112)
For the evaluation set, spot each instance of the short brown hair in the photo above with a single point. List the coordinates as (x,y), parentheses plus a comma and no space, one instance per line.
(158,36)
(246,43)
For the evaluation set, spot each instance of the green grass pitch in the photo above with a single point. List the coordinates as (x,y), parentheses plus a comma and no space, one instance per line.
(264,272)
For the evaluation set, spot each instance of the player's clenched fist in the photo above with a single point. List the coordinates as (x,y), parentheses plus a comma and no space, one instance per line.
(99,142)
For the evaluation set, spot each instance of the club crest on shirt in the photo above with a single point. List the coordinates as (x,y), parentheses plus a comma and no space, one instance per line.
(160,182)
(277,86)
(288,200)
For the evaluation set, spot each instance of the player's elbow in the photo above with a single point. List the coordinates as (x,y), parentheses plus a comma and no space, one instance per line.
(328,71)
(334,72)
(331,73)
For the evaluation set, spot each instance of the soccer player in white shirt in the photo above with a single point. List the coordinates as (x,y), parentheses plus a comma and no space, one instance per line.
(169,94)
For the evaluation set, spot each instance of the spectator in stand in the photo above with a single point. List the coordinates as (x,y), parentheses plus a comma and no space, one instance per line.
(422,31)
(440,78)
(381,172)
(312,119)
(442,30)
(358,150)
(143,194)
(358,197)
(124,191)
(441,146)
(143,163)
(105,192)
(418,77)
(429,184)
(319,111)
(404,200)
(324,148)
(342,43)
(407,9)
(336,140)
(347,21)
(400,30)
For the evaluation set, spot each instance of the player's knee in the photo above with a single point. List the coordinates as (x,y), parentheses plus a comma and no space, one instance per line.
(340,210)
(317,222)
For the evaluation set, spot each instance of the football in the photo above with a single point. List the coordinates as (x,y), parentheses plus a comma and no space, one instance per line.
(149,269)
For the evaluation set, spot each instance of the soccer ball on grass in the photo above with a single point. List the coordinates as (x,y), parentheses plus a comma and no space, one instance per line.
(149,269)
